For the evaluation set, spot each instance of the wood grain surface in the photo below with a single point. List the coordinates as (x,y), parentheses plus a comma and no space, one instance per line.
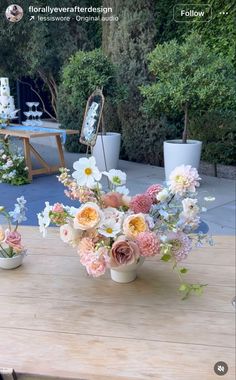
(58,322)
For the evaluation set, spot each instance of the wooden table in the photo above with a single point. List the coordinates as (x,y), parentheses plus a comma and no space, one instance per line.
(26,136)
(56,321)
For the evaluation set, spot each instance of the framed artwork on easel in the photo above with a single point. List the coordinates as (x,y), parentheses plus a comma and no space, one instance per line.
(92,118)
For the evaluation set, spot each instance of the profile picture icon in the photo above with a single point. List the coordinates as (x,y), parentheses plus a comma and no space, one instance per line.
(14,13)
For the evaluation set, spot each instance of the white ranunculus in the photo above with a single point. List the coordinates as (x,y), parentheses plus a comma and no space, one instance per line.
(69,235)
(190,208)
(114,214)
(162,195)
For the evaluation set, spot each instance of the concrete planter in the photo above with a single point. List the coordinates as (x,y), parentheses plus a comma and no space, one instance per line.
(12,262)
(126,273)
(111,144)
(176,153)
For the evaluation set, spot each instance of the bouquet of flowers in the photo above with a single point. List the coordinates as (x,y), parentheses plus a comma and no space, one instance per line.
(10,238)
(12,165)
(111,229)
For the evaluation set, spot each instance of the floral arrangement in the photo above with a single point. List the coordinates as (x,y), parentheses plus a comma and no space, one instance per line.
(111,229)
(10,238)
(12,165)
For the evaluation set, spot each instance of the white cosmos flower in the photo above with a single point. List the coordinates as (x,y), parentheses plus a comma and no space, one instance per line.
(122,190)
(110,228)
(86,172)
(116,177)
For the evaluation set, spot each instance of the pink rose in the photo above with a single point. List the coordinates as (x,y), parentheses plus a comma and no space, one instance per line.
(124,252)
(141,203)
(13,239)
(112,199)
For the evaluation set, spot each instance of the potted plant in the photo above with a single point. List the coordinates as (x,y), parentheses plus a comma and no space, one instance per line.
(189,77)
(110,230)
(12,251)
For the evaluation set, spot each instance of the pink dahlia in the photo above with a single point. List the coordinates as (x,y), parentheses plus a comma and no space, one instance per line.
(148,243)
(153,190)
(184,178)
(141,203)
(181,245)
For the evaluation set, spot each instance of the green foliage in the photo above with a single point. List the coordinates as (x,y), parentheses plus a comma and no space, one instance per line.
(127,43)
(188,78)
(220,33)
(85,72)
(166,257)
(217,130)
(188,289)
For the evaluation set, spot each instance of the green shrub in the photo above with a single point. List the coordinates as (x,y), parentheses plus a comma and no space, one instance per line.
(85,72)
(189,76)
(217,130)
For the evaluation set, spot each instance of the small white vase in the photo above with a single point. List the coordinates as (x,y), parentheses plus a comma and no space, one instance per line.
(176,153)
(108,145)
(12,262)
(126,273)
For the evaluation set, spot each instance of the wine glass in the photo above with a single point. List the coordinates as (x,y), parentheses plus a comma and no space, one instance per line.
(30,105)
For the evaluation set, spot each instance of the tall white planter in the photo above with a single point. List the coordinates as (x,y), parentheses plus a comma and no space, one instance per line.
(111,143)
(176,153)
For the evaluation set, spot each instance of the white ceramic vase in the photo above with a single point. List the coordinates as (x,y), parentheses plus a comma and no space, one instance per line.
(126,273)
(176,153)
(108,145)
(12,262)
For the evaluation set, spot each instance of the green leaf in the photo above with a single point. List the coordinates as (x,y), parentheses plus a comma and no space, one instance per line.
(166,257)
(183,270)
(183,288)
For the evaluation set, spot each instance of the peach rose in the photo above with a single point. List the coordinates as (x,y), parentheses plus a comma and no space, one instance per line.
(112,199)
(2,234)
(134,225)
(124,252)
(88,216)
